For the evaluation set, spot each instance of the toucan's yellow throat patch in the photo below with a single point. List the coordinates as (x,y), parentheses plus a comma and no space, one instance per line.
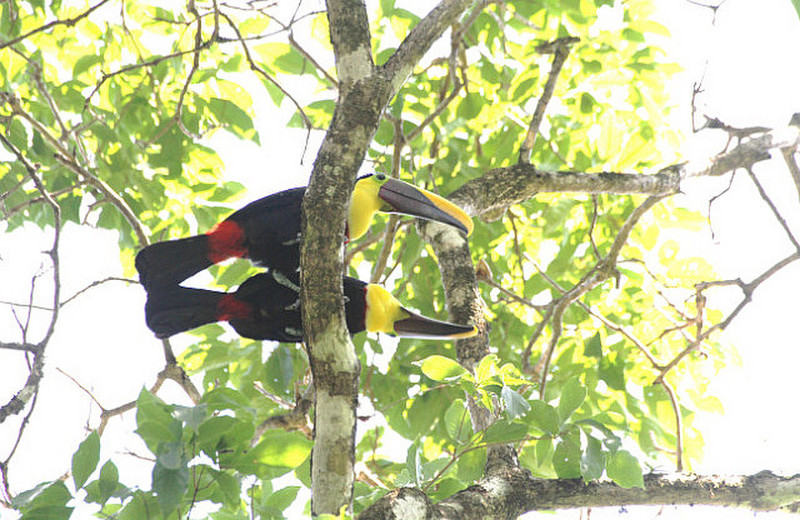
(363,205)
(383,310)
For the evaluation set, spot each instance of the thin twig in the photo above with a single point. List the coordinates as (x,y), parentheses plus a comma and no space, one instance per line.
(69,22)
(517,249)
(30,389)
(386,249)
(127,68)
(601,272)
(311,60)
(592,225)
(435,113)
(255,68)
(96,283)
(86,390)
(772,207)
(560,50)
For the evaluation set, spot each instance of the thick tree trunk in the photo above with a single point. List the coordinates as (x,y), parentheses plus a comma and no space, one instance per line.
(364,92)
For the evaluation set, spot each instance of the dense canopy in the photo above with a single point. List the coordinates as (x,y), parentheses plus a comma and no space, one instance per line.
(549,122)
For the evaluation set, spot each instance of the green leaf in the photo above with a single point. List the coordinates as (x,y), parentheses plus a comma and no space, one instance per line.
(170,455)
(303,472)
(85,460)
(279,370)
(192,416)
(544,417)
(292,62)
(612,372)
(516,405)
(274,504)
(593,460)
(487,367)
(624,470)
(170,485)
(594,347)
(48,513)
(632,35)
(142,505)
(108,481)
(227,399)
(587,103)
(796,4)
(457,422)
(414,463)
(85,62)
(440,368)
(282,449)
(154,421)
(229,113)
(572,395)
(45,494)
(504,431)
(567,460)
(471,106)
(470,465)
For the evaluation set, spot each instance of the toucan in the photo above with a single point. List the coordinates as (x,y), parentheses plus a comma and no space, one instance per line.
(267,231)
(267,307)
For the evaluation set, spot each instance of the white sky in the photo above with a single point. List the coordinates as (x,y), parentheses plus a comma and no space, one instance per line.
(752,79)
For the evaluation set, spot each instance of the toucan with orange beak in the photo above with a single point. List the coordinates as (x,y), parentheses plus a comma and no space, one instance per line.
(267,307)
(267,231)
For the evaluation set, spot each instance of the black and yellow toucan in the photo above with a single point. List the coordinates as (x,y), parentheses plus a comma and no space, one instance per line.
(267,307)
(267,231)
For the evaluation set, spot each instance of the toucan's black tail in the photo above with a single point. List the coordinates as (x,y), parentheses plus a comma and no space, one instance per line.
(179,309)
(166,264)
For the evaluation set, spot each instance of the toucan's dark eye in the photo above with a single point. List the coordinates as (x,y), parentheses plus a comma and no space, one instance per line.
(380,177)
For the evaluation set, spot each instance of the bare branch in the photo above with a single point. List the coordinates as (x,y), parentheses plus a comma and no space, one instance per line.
(676,411)
(85,390)
(127,68)
(772,208)
(264,74)
(490,194)
(31,387)
(23,347)
(513,492)
(601,272)
(420,39)
(560,50)
(311,60)
(69,22)
(791,163)
(95,284)
(435,113)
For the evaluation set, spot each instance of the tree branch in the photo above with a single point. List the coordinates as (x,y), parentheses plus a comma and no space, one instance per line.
(517,492)
(560,50)
(419,40)
(31,386)
(490,194)
(68,22)
(350,37)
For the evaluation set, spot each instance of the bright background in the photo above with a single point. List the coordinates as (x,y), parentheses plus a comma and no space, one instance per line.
(748,59)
